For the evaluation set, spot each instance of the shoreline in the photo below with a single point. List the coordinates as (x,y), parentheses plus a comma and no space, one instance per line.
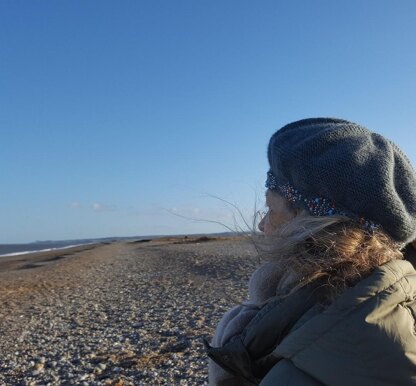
(36,259)
(28,260)
(43,250)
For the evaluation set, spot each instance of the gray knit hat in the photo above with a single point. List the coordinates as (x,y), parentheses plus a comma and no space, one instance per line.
(332,166)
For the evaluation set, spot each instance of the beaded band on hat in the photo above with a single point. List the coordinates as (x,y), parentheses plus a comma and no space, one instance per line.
(318,206)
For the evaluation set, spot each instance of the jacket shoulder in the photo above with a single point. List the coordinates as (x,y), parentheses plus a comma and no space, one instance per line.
(348,342)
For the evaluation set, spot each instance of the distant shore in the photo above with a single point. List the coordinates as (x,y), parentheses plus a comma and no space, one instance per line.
(29,260)
(10,249)
(125,313)
(35,259)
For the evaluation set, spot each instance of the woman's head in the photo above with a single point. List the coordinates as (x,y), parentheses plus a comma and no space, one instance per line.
(335,167)
(342,201)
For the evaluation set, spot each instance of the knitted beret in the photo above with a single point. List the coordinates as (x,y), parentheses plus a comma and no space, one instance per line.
(332,166)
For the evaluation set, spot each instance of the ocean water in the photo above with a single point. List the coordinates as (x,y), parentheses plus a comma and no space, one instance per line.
(43,246)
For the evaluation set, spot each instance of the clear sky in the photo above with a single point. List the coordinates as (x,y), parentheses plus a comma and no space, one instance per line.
(116,114)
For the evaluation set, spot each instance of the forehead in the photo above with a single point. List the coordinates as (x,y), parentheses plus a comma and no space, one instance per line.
(273,198)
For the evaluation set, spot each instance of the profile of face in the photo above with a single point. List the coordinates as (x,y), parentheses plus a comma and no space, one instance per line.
(279,213)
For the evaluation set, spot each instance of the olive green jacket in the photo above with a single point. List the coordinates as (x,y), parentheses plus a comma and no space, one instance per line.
(366,337)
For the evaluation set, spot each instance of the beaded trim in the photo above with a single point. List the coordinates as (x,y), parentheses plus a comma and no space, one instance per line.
(318,206)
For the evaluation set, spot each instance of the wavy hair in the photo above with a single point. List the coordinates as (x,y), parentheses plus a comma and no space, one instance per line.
(334,250)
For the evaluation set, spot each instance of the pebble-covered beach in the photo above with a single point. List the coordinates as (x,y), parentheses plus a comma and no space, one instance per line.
(128,313)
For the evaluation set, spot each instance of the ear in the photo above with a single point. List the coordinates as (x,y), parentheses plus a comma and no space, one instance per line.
(413,244)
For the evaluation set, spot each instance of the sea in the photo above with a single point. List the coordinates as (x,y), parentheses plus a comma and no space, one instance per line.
(44,246)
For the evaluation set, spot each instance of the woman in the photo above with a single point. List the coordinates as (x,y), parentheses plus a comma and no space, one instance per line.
(336,302)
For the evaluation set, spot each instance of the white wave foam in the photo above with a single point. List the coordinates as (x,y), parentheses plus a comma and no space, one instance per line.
(43,250)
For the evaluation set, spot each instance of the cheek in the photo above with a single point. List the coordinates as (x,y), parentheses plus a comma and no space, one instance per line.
(268,230)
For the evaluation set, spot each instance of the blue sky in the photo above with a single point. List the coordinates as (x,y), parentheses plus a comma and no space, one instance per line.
(116,114)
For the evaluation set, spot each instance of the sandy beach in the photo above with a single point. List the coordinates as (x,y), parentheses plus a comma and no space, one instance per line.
(126,313)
